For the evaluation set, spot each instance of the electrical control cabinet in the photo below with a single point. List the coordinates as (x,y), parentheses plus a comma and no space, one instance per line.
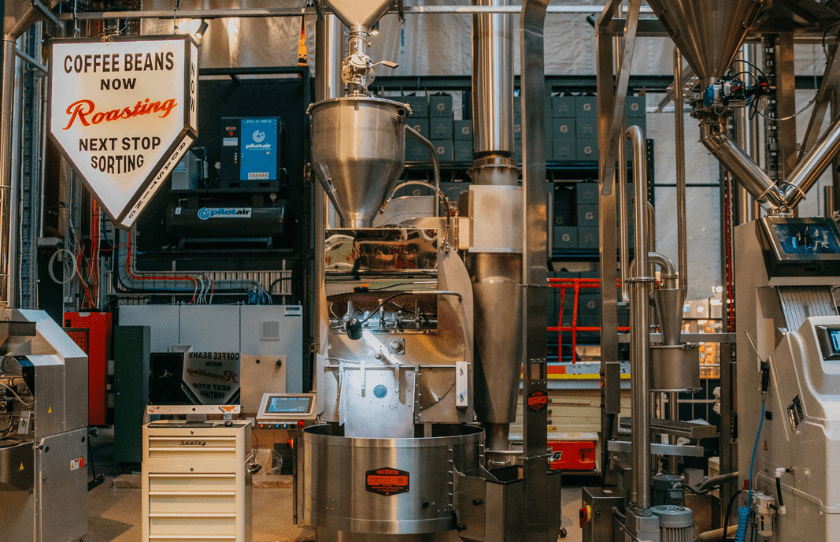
(132,347)
(251,155)
(100,326)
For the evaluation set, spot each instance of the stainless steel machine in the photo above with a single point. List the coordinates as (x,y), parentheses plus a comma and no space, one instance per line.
(414,365)
(785,269)
(43,430)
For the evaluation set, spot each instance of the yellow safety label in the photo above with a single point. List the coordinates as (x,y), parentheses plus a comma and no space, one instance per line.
(49,410)
(21,466)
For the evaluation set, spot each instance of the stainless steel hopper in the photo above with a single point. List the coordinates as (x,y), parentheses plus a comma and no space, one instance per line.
(358,153)
(707,32)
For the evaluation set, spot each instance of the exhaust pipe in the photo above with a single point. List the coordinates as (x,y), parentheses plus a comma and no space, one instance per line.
(751,177)
(811,167)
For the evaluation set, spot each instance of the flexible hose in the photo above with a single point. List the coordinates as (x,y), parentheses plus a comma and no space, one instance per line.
(744,511)
(72,266)
(743,518)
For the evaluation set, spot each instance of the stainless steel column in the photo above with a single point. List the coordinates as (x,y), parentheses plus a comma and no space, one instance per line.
(835,171)
(679,142)
(329,52)
(496,276)
(534,268)
(746,132)
(6,108)
(492,81)
(641,286)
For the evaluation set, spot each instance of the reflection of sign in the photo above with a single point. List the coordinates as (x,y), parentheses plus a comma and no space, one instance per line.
(124,112)
(211,377)
(387,481)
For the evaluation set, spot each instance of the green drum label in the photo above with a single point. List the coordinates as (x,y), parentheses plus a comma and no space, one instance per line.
(387,481)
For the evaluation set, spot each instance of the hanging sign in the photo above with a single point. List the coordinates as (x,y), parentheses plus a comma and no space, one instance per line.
(124,112)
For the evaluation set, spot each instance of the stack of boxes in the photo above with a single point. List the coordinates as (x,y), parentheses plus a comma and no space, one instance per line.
(419,120)
(440,126)
(583,207)
(432,117)
(576,216)
(571,126)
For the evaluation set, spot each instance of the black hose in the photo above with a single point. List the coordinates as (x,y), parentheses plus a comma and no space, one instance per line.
(729,512)
(779,491)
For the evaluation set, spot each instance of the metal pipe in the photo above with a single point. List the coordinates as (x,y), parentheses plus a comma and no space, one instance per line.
(6,110)
(812,165)
(329,52)
(622,198)
(432,154)
(492,81)
(303,11)
(641,287)
(835,171)
(669,272)
(745,131)
(752,177)
(679,141)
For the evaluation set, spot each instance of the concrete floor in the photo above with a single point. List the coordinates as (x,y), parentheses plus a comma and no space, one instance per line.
(114,515)
(114,512)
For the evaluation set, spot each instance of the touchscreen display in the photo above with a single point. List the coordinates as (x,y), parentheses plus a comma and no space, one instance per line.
(283,405)
(806,239)
(835,339)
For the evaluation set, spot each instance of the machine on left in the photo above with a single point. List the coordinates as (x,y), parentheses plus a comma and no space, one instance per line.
(43,430)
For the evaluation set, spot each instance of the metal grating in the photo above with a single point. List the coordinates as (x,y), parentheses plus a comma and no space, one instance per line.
(80,336)
(799,303)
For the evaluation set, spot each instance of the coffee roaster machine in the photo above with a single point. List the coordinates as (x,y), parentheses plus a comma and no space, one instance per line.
(417,373)
(43,430)
(788,328)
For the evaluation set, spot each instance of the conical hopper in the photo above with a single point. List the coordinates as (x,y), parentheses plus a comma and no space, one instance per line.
(359,14)
(358,153)
(707,32)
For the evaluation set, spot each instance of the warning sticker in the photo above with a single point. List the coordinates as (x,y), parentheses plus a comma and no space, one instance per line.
(387,481)
(77,464)
(537,400)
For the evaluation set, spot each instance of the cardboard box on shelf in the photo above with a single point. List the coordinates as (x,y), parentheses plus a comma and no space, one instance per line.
(564,150)
(588,238)
(419,106)
(586,106)
(564,128)
(565,237)
(419,124)
(463,130)
(563,106)
(440,105)
(635,106)
(440,128)
(586,193)
(463,150)
(445,150)
(415,151)
(587,216)
(586,128)
(586,150)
